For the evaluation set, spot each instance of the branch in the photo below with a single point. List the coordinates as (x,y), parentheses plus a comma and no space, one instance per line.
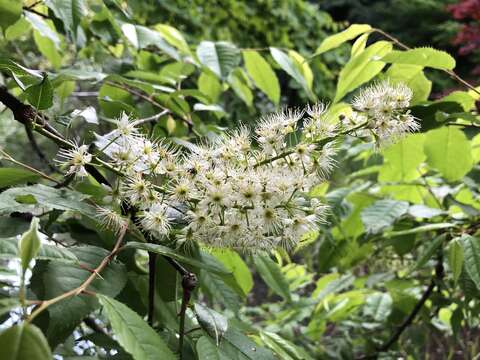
(83,287)
(152,264)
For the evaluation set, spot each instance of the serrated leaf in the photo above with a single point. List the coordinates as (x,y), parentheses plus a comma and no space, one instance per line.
(40,95)
(48,49)
(304,68)
(14,176)
(43,28)
(425,56)
(217,290)
(449,151)
(163,250)
(133,333)
(220,57)
(22,342)
(362,68)
(29,244)
(9,249)
(336,40)
(456,258)
(214,323)
(382,214)
(471,249)
(262,74)
(271,273)
(378,306)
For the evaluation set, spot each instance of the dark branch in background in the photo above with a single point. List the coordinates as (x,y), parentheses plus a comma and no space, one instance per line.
(152,270)
(436,279)
(189,283)
(92,324)
(39,151)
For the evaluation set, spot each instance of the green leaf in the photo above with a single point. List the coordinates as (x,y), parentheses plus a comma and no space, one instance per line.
(141,37)
(235,343)
(378,306)
(362,68)
(271,273)
(456,258)
(207,350)
(284,349)
(262,74)
(303,68)
(9,249)
(133,333)
(449,151)
(215,324)
(412,76)
(220,57)
(209,85)
(359,45)
(24,342)
(336,40)
(429,251)
(46,197)
(40,95)
(423,56)
(174,37)
(471,249)
(219,291)
(163,250)
(290,66)
(43,28)
(14,176)
(239,82)
(234,263)
(29,244)
(11,11)
(382,214)
(48,49)
(401,160)
(70,12)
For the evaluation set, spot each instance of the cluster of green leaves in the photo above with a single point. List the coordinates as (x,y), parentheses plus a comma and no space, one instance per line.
(395,214)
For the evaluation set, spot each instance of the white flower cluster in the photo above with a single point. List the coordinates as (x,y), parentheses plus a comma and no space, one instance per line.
(384,107)
(245,190)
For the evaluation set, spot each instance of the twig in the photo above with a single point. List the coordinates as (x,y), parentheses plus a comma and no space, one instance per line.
(92,324)
(35,12)
(8,157)
(80,289)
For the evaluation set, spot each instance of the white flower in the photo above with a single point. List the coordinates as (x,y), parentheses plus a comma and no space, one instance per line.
(155,219)
(110,219)
(76,159)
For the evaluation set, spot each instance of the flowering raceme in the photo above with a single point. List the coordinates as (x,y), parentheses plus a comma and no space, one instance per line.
(247,189)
